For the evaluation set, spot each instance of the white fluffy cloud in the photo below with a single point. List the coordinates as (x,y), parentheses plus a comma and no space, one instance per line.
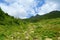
(27,8)
(50,5)
(19,8)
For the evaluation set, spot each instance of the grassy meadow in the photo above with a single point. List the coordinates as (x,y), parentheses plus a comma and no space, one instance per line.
(40,27)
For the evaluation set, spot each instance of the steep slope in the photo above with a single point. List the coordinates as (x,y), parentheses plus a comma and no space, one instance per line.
(5,19)
(39,27)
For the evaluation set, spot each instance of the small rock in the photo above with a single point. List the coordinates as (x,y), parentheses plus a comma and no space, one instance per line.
(27,37)
(48,39)
(58,38)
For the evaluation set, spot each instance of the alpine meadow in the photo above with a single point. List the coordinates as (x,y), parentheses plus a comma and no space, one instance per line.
(39,27)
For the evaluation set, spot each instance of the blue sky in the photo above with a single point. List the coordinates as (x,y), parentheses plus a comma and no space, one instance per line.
(27,8)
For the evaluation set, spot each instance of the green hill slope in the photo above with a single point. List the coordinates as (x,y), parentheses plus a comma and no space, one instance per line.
(39,27)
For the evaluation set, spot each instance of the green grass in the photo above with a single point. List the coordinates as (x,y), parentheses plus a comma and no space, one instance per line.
(34,28)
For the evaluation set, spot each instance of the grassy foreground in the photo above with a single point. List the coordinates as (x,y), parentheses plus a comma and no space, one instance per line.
(45,27)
